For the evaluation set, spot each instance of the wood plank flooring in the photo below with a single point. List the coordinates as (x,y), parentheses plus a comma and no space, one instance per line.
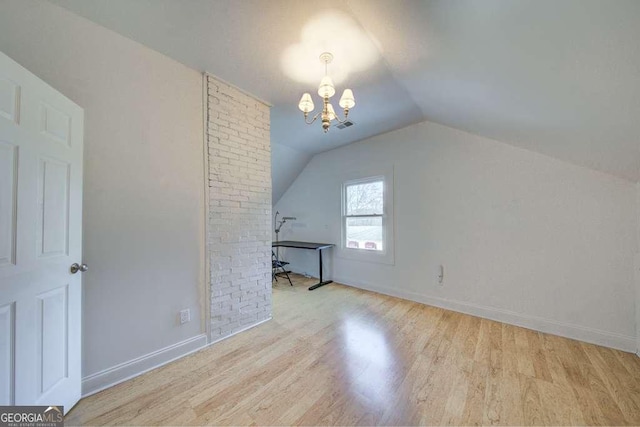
(343,356)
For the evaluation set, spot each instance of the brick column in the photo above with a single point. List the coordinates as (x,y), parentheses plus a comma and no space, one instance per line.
(239,240)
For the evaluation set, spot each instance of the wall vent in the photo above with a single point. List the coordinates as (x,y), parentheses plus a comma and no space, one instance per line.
(344,125)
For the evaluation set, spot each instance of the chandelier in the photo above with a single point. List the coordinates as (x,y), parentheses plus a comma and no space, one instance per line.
(326,90)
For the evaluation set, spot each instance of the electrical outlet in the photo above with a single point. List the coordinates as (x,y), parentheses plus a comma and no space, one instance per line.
(185,316)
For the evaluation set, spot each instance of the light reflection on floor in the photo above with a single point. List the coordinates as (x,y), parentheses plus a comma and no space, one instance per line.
(368,360)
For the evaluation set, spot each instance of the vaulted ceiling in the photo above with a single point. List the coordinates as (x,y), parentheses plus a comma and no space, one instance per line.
(558,77)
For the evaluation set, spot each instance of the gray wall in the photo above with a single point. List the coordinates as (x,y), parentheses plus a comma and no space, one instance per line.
(143,184)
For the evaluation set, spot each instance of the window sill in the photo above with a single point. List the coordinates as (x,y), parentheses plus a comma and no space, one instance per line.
(365,256)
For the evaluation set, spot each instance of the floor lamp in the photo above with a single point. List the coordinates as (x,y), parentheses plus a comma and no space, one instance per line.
(278,225)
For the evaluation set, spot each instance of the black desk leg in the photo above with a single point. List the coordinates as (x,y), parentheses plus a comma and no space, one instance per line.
(317,285)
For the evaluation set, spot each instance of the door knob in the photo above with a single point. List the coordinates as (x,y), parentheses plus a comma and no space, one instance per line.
(75,267)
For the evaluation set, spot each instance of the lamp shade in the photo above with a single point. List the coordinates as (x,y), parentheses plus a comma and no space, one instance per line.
(331,112)
(326,88)
(306,103)
(347,100)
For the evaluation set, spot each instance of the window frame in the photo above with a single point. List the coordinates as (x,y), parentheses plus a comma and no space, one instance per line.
(386,255)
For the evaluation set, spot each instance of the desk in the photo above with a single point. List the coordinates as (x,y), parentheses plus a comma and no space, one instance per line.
(307,245)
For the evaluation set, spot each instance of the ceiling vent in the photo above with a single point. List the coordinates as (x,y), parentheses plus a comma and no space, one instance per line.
(344,125)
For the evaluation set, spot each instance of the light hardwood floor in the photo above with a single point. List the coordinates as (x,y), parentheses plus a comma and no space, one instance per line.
(342,356)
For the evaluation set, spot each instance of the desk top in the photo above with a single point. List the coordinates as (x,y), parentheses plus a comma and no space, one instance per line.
(301,245)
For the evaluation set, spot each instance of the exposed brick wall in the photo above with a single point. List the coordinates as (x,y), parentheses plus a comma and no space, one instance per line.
(239,241)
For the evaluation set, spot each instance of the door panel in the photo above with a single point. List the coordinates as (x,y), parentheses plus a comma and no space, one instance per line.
(40,237)
(53,199)
(52,350)
(55,124)
(7,335)
(9,100)
(8,193)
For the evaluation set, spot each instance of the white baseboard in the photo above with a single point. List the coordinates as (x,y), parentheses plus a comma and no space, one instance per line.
(246,328)
(102,380)
(109,377)
(581,333)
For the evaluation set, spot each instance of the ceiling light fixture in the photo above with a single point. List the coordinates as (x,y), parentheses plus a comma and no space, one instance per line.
(326,90)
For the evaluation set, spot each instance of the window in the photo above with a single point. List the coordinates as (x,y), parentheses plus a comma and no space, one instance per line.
(364,215)
(367,214)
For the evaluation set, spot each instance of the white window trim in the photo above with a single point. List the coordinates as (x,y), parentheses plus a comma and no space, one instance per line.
(386,256)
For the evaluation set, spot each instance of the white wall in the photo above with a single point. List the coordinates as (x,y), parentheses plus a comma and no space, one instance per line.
(286,165)
(239,203)
(143,185)
(524,238)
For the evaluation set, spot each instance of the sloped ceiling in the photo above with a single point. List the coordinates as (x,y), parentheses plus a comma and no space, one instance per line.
(557,77)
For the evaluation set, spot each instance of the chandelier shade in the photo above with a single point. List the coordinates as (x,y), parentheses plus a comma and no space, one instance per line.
(331,112)
(326,88)
(306,103)
(347,100)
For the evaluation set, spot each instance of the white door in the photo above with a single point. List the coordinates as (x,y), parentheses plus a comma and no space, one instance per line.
(41,135)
